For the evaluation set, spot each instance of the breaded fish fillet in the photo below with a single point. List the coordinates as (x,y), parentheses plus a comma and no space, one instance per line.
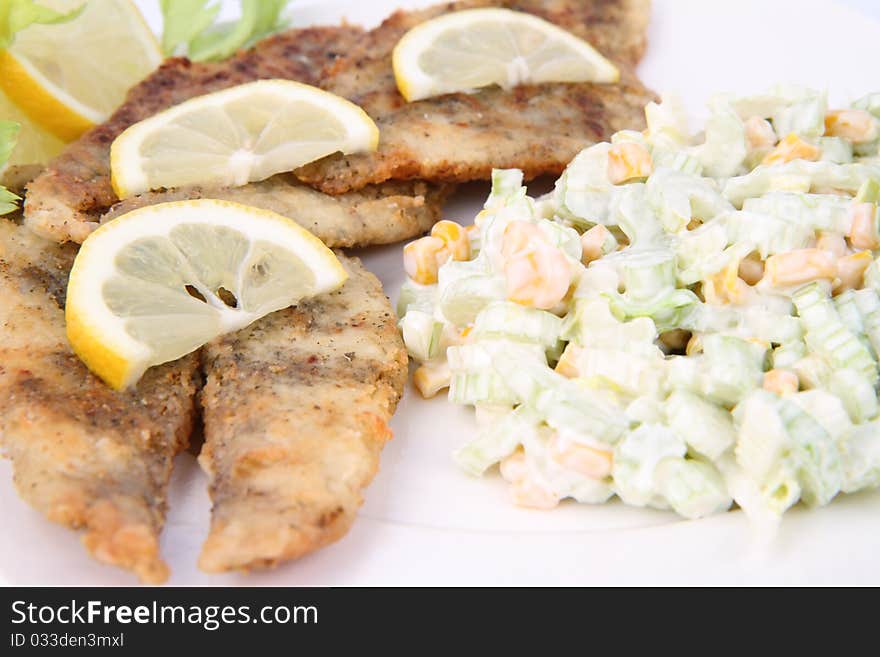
(379,214)
(85,456)
(295,412)
(460,137)
(66,201)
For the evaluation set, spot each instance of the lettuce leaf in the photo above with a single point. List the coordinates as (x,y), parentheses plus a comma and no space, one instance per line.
(184,20)
(15,15)
(190,30)
(8,201)
(8,136)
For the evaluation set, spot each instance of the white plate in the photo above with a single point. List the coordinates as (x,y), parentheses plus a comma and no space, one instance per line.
(424,522)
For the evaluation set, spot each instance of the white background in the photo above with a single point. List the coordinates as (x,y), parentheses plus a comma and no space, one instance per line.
(424,522)
(231,7)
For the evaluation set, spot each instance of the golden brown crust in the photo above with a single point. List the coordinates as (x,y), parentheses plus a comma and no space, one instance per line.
(460,137)
(64,203)
(295,412)
(16,178)
(378,214)
(67,200)
(85,456)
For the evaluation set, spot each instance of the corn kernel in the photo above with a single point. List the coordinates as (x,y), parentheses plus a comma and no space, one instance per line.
(593,243)
(423,258)
(519,237)
(628,161)
(726,287)
(855,125)
(863,226)
(568,362)
(792,148)
(526,493)
(590,462)
(539,278)
(694,345)
(455,237)
(834,243)
(851,271)
(538,274)
(799,266)
(759,133)
(751,269)
(782,382)
(513,468)
(431,378)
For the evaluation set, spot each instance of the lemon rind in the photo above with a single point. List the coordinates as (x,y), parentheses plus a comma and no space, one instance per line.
(414,84)
(57,111)
(99,337)
(54,109)
(128,177)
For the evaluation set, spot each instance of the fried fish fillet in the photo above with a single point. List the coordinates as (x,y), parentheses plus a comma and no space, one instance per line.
(85,456)
(379,214)
(16,178)
(460,137)
(295,413)
(67,200)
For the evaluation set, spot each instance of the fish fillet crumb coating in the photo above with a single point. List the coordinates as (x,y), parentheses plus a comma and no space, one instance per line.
(378,214)
(83,455)
(295,413)
(65,203)
(461,137)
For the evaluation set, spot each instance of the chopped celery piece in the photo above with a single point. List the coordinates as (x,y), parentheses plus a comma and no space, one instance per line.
(496,441)
(505,319)
(724,149)
(636,460)
(421,334)
(706,427)
(828,336)
(860,456)
(814,211)
(693,488)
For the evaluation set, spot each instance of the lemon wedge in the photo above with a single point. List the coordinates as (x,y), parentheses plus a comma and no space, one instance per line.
(71,76)
(239,135)
(159,282)
(466,50)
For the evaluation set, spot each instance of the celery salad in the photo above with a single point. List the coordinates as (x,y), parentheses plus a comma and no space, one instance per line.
(687,322)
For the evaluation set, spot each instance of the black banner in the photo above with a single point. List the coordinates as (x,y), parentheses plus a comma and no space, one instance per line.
(254,618)
(134,620)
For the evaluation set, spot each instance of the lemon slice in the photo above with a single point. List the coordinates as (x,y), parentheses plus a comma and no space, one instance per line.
(33,145)
(70,76)
(236,136)
(467,50)
(159,282)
